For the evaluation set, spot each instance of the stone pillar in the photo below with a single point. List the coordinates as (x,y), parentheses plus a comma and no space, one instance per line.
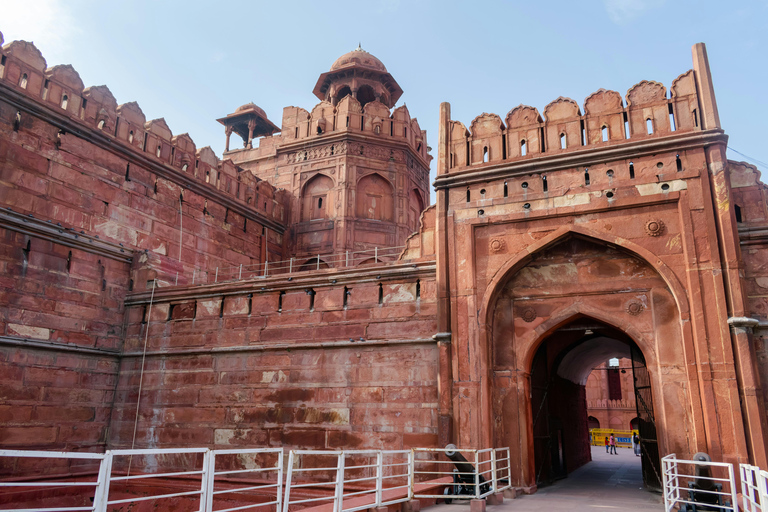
(228,132)
(710,119)
(251,127)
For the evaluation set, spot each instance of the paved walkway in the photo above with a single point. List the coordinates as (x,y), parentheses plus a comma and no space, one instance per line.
(609,482)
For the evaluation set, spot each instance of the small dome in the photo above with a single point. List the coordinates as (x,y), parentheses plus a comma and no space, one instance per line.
(358,57)
(251,106)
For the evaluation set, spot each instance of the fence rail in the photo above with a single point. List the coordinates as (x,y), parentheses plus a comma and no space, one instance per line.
(681,492)
(252,479)
(754,488)
(377,255)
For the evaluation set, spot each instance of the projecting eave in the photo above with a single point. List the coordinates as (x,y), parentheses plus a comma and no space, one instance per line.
(389,82)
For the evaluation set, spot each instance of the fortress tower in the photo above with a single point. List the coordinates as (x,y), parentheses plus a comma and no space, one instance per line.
(355,167)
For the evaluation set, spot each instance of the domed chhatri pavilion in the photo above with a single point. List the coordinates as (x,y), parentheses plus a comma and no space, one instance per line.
(357,170)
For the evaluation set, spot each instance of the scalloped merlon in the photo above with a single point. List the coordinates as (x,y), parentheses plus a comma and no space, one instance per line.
(743,174)
(646,92)
(101,94)
(376,108)
(602,101)
(486,124)
(132,112)
(159,127)
(348,104)
(26,52)
(401,113)
(561,108)
(66,75)
(184,142)
(523,115)
(458,130)
(207,155)
(683,85)
(322,109)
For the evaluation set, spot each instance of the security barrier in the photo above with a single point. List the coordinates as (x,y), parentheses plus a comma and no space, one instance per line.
(597,437)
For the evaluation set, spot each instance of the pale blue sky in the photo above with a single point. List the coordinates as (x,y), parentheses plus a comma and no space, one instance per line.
(191,62)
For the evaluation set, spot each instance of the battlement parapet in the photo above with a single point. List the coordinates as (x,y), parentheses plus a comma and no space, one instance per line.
(23,69)
(647,112)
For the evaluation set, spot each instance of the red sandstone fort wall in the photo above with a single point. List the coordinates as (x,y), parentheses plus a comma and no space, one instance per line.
(266,364)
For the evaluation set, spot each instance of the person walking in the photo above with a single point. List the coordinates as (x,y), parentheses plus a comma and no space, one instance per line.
(612,442)
(636,443)
(606,445)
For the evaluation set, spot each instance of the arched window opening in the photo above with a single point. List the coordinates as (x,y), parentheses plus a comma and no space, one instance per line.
(485,153)
(377,129)
(593,422)
(158,150)
(375,198)
(468,196)
(314,202)
(184,167)
(319,130)
(418,289)
(343,92)
(101,124)
(130,137)
(506,190)
(23,81)
(649,126)
(604,131)
(381,294)
(523,148)
(563,141)
(737,211)
(672,118)
(679,163)
(631,171)
(544,183)
(64,101)
(365,95)
(207,176)
(586,177)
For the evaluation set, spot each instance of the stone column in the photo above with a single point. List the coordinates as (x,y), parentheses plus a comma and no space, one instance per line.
(251,127)
(228,132)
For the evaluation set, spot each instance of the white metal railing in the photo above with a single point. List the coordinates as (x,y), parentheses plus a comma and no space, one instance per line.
(60,483)
(679,490)
(251,479)
(377,255)
(479,478)
(754,488)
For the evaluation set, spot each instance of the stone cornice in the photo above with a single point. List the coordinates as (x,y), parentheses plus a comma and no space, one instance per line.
(753,235)
(285,282)
(58,347)
(586,157)
(101,140)
(46,230)
(278,346)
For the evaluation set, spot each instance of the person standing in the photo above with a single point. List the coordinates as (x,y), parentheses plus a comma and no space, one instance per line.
(612,442)
(606,445)
(636,443)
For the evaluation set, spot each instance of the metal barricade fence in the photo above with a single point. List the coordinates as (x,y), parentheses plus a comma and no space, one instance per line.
(503,469)
(754,488)
(678,491)
(97,485)
(470,483)
(396,477)
(273,487)
(317,462)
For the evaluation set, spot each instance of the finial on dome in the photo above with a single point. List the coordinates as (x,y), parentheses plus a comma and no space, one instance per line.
(359,47)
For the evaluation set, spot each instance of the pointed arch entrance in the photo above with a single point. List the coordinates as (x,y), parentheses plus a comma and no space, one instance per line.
(557,314)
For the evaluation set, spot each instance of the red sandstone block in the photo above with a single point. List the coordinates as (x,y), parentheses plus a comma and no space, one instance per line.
(412,329)
(416,440)
(364,295)
(194,415)
(366,395)
(294,318)
(237,305)
(293,301)
(73,396)
(199,362)
(290,333)
(15,413)
(209,308)
(98,380)
(410,394)
(23,180)
(346,315)
(190,378)
(62,414)
(11,372)
(224,394)
(13,390)
(91,433)
(306,439)
(177,436)
(29,436)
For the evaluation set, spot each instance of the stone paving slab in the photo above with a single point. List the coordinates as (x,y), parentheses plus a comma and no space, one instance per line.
(609,482)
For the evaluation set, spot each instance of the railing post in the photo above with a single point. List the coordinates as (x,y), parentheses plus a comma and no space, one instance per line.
(379,477)
(209,473)
(734,498)
(216,278)
(347,260)
(375,254)
(194,271)
(318,262)
(266,268)
(177,279)
(287,497)
(338,500)
(279,491)
(411,469)
(101,495)
(290,267)
(477,475)
(493,470)
(240,275)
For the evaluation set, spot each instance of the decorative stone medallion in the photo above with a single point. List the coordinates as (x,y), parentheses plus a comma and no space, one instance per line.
(635,307)
(498,245)
(529,314)
(654,227)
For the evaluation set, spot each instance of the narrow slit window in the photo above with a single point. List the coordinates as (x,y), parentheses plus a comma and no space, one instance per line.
(586,176)
(506,190)
(158,150)
(649,126)
(541,140)
(523,148)
(485,153)
(69,260)
(672,124)
(405,131)
(23,81)
(346,297)
(319,202)
(695,118)
(604,131)
(144,147)
(347,121)
(311,294)
(127,172)
(280,301)
(563,141)
(631,171)
(130,137)
(207,176)
(544,183)
(678,163)
(381,294)
(296,133)
(450,165)
(418,289)
(391,128)
(468,196)
(64,101)
(583,134)
(626,126)
(737,211)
